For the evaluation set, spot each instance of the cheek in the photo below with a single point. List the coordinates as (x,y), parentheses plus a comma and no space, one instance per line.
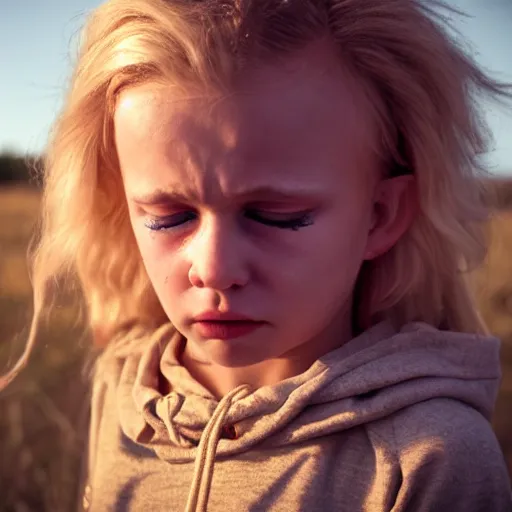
(164,267)
(324,268)
(334,249)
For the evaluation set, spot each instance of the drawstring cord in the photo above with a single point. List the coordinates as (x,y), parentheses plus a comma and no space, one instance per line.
(204,463)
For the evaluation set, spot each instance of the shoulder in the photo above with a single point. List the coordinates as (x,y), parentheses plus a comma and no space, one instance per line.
(442,428)
(448,458)
(445,424)
(113,373)
(124,350)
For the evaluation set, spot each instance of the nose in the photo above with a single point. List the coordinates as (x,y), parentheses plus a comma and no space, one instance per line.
(216,256)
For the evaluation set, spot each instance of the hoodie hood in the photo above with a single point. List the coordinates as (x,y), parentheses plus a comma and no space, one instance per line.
(369,378)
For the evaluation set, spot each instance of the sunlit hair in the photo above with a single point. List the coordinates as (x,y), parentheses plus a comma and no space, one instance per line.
(421,87)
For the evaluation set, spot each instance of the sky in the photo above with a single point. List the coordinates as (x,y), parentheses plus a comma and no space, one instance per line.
(38,45)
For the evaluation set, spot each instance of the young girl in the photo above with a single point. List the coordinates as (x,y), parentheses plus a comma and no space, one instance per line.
(271,207)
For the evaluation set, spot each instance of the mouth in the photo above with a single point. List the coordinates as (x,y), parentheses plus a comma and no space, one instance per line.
(225,329)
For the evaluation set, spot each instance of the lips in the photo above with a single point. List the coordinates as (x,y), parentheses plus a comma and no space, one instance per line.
(224,326)
(217,316)
(225,330)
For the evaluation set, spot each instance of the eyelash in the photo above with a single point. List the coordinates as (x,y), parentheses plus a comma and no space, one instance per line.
(179,219)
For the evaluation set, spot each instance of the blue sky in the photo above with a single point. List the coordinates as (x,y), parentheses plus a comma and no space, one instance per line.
(37,41)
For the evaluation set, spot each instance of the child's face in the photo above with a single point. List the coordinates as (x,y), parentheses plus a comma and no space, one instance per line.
(259,204)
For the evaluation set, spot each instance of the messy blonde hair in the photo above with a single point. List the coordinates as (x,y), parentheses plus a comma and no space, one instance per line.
(421,86)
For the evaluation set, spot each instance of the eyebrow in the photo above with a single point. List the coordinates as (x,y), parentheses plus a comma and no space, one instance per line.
(164,197)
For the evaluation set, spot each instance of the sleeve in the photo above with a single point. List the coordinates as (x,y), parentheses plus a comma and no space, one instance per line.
(83,428)
(96,402)
(450,461)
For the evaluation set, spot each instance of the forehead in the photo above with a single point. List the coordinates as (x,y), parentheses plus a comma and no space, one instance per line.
(278,119)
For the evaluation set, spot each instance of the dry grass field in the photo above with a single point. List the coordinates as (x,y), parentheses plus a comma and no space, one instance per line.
(42,414)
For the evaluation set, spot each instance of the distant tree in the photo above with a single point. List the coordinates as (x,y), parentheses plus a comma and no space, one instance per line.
(15,168)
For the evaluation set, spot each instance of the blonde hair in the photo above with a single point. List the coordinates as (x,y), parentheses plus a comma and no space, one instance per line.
(422,87)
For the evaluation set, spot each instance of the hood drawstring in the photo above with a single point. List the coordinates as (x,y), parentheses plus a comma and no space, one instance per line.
(206,451)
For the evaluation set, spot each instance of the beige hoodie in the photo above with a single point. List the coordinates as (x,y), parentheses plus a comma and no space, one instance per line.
(391,421)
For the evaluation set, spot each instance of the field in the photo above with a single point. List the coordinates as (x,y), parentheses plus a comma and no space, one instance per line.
(43,412)
(43,420)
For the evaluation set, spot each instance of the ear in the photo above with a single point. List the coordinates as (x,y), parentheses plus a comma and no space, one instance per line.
(395,207)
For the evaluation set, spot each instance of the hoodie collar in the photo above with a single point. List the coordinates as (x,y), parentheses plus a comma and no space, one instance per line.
(389,369)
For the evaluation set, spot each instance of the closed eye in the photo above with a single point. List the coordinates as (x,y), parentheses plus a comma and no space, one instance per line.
(171,221)
(293,221)
(281,220)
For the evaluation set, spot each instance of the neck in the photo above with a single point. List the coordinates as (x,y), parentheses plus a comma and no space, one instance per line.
(220,380)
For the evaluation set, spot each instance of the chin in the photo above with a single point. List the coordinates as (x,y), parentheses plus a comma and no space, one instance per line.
(231,353)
